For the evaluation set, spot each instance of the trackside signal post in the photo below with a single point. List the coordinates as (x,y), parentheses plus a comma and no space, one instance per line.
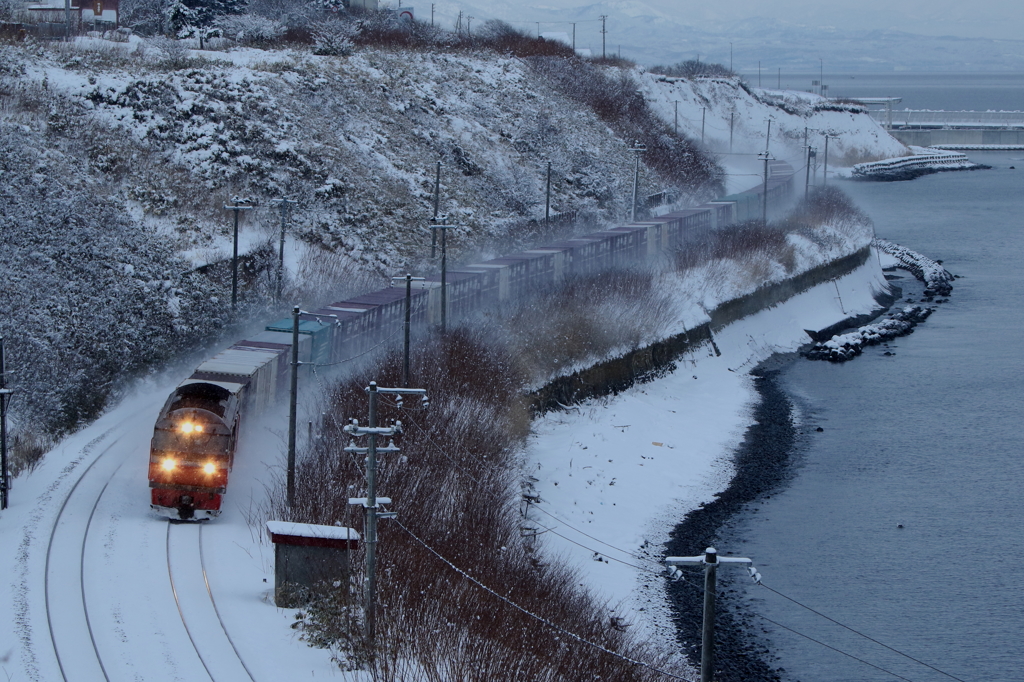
(371,502)
(710,560)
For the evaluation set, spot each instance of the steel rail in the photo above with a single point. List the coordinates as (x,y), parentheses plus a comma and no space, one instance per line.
(202,562)
(177,601)
(81,573)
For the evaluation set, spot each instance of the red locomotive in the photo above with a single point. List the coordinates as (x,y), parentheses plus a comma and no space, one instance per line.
(193,445)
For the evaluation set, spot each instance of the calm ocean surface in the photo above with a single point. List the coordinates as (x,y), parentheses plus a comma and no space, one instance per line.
(931,438)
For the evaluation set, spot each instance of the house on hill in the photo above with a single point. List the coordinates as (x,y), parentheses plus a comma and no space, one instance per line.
(53,17)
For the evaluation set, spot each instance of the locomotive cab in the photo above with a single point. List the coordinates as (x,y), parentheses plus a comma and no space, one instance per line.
(192,451)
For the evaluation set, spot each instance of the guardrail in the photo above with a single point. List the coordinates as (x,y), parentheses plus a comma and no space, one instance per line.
(920,118)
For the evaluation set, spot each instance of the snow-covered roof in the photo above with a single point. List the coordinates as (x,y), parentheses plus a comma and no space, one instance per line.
(288,533)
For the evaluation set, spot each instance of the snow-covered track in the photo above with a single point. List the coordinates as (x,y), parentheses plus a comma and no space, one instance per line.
(74,643)
(186,570)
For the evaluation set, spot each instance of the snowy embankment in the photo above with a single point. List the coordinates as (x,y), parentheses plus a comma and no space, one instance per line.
(732,119)
(613,476)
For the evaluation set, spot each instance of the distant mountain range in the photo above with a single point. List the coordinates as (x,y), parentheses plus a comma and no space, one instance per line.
(649,33)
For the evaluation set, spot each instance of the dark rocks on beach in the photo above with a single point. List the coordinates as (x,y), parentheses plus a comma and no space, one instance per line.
(761,467)
(843,347)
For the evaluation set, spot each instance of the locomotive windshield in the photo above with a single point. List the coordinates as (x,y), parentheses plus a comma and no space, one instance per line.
(175,441)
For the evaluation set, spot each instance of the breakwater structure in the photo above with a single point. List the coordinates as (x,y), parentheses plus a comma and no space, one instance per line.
(923,162)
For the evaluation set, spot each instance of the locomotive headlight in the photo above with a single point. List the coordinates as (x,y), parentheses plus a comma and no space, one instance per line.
(209,467)
(168,464)
(186,427)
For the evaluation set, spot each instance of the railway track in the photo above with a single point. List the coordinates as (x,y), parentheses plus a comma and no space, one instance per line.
(190,585)
(71,632)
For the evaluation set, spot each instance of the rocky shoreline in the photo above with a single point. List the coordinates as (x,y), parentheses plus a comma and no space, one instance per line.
(763,465)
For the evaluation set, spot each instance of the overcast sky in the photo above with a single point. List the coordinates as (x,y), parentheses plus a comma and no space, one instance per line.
(966,18)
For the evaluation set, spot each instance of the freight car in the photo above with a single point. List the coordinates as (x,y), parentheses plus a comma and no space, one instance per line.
(196,433)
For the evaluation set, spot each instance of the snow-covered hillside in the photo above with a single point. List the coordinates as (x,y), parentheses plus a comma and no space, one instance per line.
(164,137)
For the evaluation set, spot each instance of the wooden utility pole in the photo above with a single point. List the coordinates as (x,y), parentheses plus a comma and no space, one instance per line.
(234,254)
(811,153)
(293,405)
(437,205)
(638,148)
(444,273)
(4,392)
(732,118)
(547,200)
(408,279)
(710,560)
(675,117)
(764,194)
(285,205)
(604,32)
(703,117)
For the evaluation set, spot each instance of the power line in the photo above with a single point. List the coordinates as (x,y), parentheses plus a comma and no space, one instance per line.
(857,632)
(542,619)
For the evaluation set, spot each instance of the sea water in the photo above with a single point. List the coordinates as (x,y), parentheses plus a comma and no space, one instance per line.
(905,517)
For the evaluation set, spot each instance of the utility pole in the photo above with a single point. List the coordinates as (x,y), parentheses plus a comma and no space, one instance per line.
(730,58)
(437,204)
(538,30)
(444,273)
(768,136)
(710,560)
(432,6)
(371,502)
(234,254)
(285,205)
(764,194)
(469,27)
(604,31)
(732,118)
(638,148)
(703,117)
(824,175)
(811,153)
(547,200)
(292,406)
(574,45)
(408,322)
(675,117)
(780,78)
(5,482)
(759,73)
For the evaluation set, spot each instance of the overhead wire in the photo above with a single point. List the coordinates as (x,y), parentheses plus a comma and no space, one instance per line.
(535,616)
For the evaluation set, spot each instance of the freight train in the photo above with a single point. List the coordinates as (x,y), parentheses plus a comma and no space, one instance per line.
(194,441)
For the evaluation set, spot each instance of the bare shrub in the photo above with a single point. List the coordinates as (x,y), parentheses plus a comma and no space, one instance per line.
(694,68)
(585,320)
(456,490)
(617,101)
(250,29)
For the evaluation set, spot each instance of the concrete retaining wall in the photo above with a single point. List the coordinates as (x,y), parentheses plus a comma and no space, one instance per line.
(647,363)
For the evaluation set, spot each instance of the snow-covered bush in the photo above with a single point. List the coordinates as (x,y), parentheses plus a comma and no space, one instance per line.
(251,29)
(333,37)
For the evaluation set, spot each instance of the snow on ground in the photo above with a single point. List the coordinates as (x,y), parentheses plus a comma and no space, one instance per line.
(715,103)
(620,471)
(614,475)
(125,583)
